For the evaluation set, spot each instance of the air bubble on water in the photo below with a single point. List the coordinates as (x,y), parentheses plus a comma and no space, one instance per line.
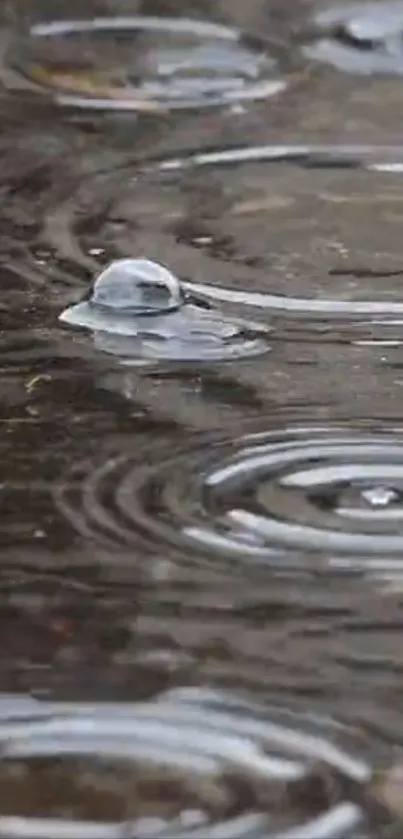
(379,496)
(140,312)
(137,286)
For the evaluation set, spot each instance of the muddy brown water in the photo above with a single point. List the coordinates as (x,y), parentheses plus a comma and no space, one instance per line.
(201,563)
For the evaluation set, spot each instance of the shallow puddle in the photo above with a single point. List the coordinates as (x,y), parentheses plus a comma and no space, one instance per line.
(201,495)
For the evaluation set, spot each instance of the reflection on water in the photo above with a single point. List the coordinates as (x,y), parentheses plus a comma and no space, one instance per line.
(201,575)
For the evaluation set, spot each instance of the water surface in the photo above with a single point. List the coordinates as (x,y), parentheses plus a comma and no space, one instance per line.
(201,576)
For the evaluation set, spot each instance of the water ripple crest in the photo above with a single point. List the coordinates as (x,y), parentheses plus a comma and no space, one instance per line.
(363,38)
(143,63)
(273,497)
(245,769)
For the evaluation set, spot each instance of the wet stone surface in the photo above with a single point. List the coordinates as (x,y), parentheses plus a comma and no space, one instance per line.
(201,492)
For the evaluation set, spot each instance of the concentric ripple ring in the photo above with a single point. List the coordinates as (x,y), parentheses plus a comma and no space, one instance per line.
(269,496)
(377,158)
(187,733)
(299,305)
(188,64)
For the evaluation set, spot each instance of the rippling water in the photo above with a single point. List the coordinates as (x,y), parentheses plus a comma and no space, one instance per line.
(241,756)
(144,63)
(263,497)
(201,577)
(364,38)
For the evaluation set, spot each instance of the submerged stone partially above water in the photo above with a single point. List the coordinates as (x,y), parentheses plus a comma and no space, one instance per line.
(138,311)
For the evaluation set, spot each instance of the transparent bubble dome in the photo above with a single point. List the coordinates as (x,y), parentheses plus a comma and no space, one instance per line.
(137,286)
(138,311)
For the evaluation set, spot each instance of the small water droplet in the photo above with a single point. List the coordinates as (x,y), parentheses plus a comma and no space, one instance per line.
(202,240)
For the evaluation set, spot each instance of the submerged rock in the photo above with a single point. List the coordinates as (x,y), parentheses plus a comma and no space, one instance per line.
(138,310)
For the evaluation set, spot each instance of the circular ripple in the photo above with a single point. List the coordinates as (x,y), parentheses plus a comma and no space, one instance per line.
(282,496)
(230,767)
(362,38)
(145,63)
